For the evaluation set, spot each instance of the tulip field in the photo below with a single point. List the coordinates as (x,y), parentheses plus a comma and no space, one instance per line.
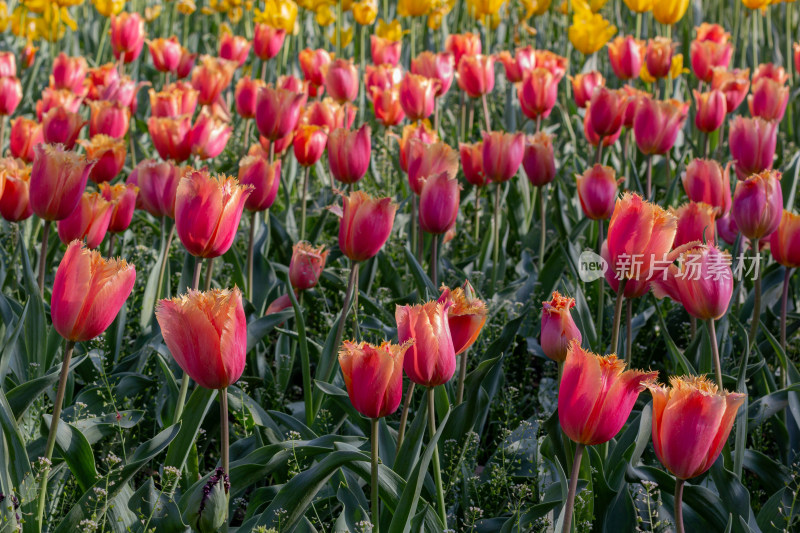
(411,266)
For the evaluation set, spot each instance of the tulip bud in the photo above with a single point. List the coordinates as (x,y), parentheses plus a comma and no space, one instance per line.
(606,111)
(752,143)
(440,67)
(69,73)
(127,36)
(384,51)
(341,80)
(427,160)
(438,203)
(657,123)
(10,94)
(538,160)
(704,181)
(727,229)
(89,221)
(277,112)
(711,110)
(431,359)
(246,96)
(109,156)
(171,136)
(417,95)
(123,201)
(265,178)
(365,225)
(108,118)
(209,135)
(709,50)
(58,179)
(695,223)
(158,184)
(166,53)
(212,76)
(464,44)
(734,85)
(381,77)
(465,317)
(583,86)
(8,64)
(207,212)
(306,265)
(537,93)
(313,63)
(658,57)
(758,204)
(206,333)
(476,75)
(626,55)
(234,48)
(592,137)
(520,65)
(60,126)
(25,134)
(373,376)
(349,153)
(88,292)
(596,395)
(267,41)
(329,114)
(174,100)
(15,197)
(386,104)
(28,55)
(502,155)
(472,163)
(769,99)
(207,509)
(785,241)
(558,328)
(692,420)
(309,144)
(597,191)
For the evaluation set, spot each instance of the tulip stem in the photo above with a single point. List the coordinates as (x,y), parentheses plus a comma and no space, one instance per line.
(51,436)
(43,256)
(348,297)
(598,152)
(638,25)
(679,505)
(712,335)
(111,242)
(250,244)
(628,334)
(223,430)
(434,259)
(618,315)
(303,204)
(496,251)
(756,293)
(209,272)
(784,300)
(477,214)
(649,175)
(573,488)
(437,471)
(487,119)
(3,121)
(462,376)
(401,430)
(543,235)
(374,499)
(164,258)
(754,37)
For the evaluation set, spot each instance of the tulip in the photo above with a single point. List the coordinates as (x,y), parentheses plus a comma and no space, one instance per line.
(785,241)
(465,44)
(58,179)
(711,110)
(185,64)
(632,99)
(387,106)
(123,201)
(597,191)
(15,203)
(171,136)
(658,57)
(538,159)
(234,48)
(246,96)
(382,77)
(69,73)
(341,80)
(520,65)
(127,36)
(593,138)
(10,94)
(472,163)
(606,111)
(476,75)
(60,126)
(28,55)
(174,100)
(206,333)
(89,221)
(709,50)
(209,135)
(365,225)
(465,318)
(108,118)
(263,146)
(158,184)
(212,76)
(758,204)
(109,156)
(277,112)
(669,11)
(421,131)
(657,123)
(428,160)
(263,177)
(313,63)
(769,99)
(384,51)
(8,64)
(440,67)
(705,181)
(166,54)
(417,95)
(438,203)
(502,155)
(207,212)
(752,143)
(583,86)
(349,153)
(796,54)
(558,327)
(733,84)
(306,265)
(695,223)
(431,359)
(626,55)
(281,303)
(770,71)
(329,114)
(309,144)
(99,78)
(727,229)
(267,41)
(294,84)
(537,94)
(373,376)
(25,134)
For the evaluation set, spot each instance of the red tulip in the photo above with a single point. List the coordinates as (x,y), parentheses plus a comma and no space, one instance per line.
(52,98)
(464,44)
(267,41)
(517,67)
(25,134)
(387,106)
(784,242)
(108,118)
(349,153)
(206,333)
(709,50)
(556,64)
(69,73)
(606,111)
(15,203)
(127,36)
(758,204)
(769,99)
(427,160)
(431,360)
(695,223)
(591,136)
(246,96)
(89,221)
(313,63)
(705,181)
(657,123)
(88,292)
(306,265)
(373,376)
(263,177)
(537,93)
(365,225)
(502,155)
(8,64)
(465,317)
(438,203)
(472,163)
(123,201)
(539,160)
(309,144)
(58,179)
(417,94)
(692,420)
(384,51)
(212,76)
(185,64)
(281,303)
(626,55)
(632,99)
(596,395)
(166,53)
(341,80)
(422,131)
(440,67)
(209,135)
(381,77)
(28,55)
(727,229)
(558,327)
(597,191)
(234,48)
(207,212)
(277,112)
(10,94)
(158,184)
(733,84)
(109,156)
(476,75)
(752,143)
(171,136)
(62,127)
(658,56)
(711,110)
(583,86)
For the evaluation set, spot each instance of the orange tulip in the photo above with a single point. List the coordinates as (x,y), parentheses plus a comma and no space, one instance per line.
(212,76)
(464,44)
(171,136)
(373,376)
(428,160)
(422,131)
(174,100)
(472,163)
(329,114)
(109,156)
(25,134)
(596,395)
(88,292)
(309,144)
(15,203)
(785,241)
(431,360)
(476,75)
(583,86)
(710,49)
(381,77)
(58,179)
(108,118)
(417,94)
(313,63)
(520,65)
(89,221)
(626,55)
(387,106)
(306,265)
(365,225)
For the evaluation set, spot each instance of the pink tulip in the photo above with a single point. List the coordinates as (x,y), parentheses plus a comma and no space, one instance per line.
(158,184)
(384,51)
(417,94)
(234,48)
(657,123)
(758,204)
(69,73)
(123,201)
(431,359)
(626,55)
(306,265)
(558,327)
(25,135)
(209,135)
(365,225)
(440,67)
(597,191)
(246,96)
(583,86)
(472,163)
(464,44)
(10,94)
(752,143)
(60,126)
(265,178)
(769,99)
(127,36)
(695,223)
(502,155)
(89,221)
(711,110)
(539,160)
(709,50)
(438,203)
(705,181)
(537,93)
(58,179)
(171,136)
(476,75)
(517,67)
(277,112)
(349,153)
(108,118)
(267,41)
(606,111)
(341,80)
(427,160)
(733,84)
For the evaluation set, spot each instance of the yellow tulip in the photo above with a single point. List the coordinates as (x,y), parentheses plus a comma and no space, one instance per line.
(669,11)
(151,13)
(755,4)
(534,7)
(592,5)
(325,16)
(436,16)
(414,8)
(187,7)
(482,8)
(590,32)
(639,6)
(4,18)
(347,36)
(365,12)
(280,14)
(391,31)
(109,7)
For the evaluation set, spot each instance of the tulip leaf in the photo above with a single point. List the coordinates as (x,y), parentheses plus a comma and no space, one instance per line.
(192,418)
(305,363)
(12,336)
(424,284)
(261,327)
(77,452)
(22,396)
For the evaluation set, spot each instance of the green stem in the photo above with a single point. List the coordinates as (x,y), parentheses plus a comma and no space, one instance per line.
(303,204)
(543,235)
(462,376)
(573,488)
(477,228)
(209,273)
(712,335)
(348,297)
(43,256)
(164,257)
(617,315)
(434,259)
(486,116)
(224,430)
(3,123)
(754,38)
(756,294)
(628,333)
(401,430)
(784,300)
(374,499)
(413,222)
(250,243)
(437,471)
(496,228)
(103,38)
(679,505)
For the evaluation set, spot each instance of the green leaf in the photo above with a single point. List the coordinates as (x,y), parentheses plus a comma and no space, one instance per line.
(22,396)
(261,327)
(192,418)
(424,284)
(76,451)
